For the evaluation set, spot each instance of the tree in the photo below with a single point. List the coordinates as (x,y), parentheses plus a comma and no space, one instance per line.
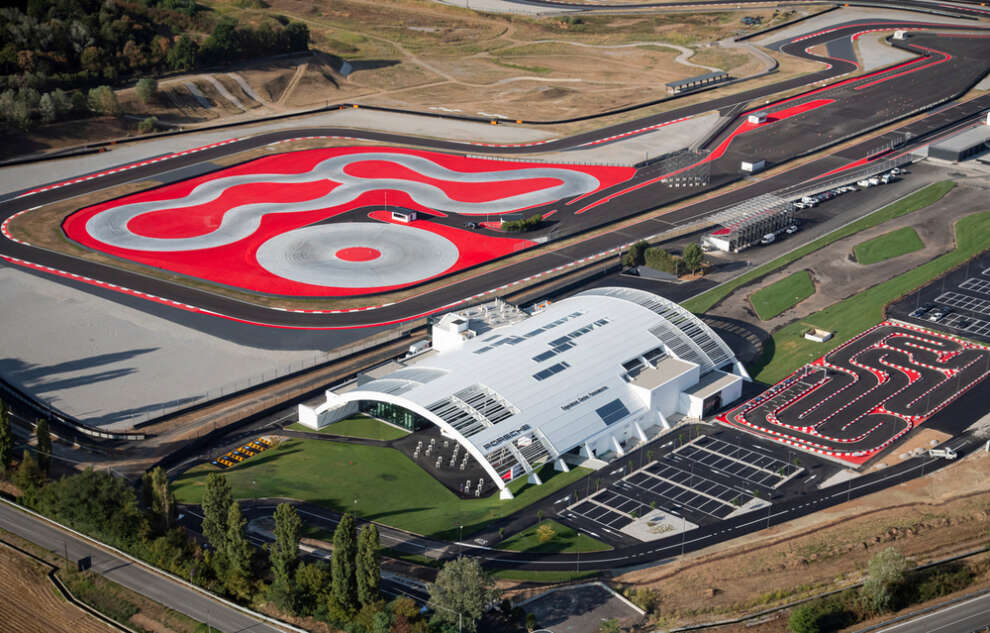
(530,622)
(284,552)
(148,125)
(885,572)
(216,508)
(44,439)
(238,555)
(6,437)
(147,89)
(162,498)
(462,593)
(183,55)
(693,257)
(103,100)
(298,34)
(28,476)
(369,571)
(222,45)
(545,533)
(312,582)
(344,575)
(635,255)
(804,619)
(46,109)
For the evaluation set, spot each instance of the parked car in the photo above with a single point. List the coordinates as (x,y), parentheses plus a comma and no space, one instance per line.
(769,238)
(936,315)
(470,225)
(919,312)
(792,229)
(865,184)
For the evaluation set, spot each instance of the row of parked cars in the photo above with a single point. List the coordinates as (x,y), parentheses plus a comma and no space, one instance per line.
(932,312)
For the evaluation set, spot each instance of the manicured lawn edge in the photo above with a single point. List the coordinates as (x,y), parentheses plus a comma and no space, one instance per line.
(566,541)
(887,246)
(918,200)
(782,295)
(358,426)
(377,483)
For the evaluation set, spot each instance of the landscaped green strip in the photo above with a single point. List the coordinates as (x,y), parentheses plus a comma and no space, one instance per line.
(782,295)
(790,350)
(888,245)
(524,575)
(565,540)
(917,200)
(377,483)
(360,426)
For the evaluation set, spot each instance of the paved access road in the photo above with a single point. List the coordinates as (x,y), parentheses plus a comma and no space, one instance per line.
(613,205)
(120,570)
(970,616)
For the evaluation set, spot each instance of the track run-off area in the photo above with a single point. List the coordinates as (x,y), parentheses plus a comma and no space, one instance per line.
(311,251)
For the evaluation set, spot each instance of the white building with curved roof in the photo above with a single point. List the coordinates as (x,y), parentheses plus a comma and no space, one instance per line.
(589,374)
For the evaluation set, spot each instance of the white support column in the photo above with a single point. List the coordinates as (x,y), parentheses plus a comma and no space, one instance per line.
(640,432)
(561,465)
(588,451)
(505,494)
(535,479)
(739,370)
(617,446)
(663,420)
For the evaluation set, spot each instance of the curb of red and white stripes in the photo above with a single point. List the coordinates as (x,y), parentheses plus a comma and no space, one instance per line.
(126,168)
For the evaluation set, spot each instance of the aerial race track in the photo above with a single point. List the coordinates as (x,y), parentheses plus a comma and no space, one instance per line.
(866,394)
(318,223)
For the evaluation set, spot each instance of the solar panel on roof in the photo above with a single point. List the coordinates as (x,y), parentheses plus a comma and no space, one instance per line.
(612,412)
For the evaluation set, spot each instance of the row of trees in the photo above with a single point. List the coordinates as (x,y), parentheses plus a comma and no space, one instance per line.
(346,594)
(52,53)
(72,43)
(691,260)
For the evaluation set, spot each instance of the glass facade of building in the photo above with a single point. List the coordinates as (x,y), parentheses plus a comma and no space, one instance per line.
(394,413)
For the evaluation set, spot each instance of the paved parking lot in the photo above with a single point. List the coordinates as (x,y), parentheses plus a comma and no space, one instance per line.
(699,482)
(965,290)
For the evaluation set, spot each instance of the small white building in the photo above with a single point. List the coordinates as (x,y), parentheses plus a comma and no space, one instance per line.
(588,375)
(757,118)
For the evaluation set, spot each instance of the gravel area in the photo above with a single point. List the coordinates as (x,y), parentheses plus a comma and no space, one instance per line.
(875,53)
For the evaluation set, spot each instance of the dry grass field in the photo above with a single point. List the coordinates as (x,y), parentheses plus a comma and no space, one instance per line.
(31,604)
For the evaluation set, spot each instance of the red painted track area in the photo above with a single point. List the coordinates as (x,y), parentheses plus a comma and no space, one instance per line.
(860,398)
(235,263)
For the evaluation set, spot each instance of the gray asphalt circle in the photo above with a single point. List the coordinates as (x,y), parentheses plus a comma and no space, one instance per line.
(309,255)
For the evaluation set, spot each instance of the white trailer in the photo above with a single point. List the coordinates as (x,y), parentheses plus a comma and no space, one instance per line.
(752,166)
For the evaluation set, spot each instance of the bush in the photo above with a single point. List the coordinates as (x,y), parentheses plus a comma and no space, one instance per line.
(634,256)
(148,125)
(103,100)
(517,226)
(147,89)
(660,259)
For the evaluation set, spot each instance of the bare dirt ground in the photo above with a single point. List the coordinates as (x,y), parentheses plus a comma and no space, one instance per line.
(426,56)
(30,603)
(838,277)
(925,519)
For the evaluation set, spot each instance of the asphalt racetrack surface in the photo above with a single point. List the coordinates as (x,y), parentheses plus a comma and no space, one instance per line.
(861,397)
(793,128)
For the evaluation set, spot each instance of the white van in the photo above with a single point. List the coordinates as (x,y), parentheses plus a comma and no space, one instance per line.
(769,238)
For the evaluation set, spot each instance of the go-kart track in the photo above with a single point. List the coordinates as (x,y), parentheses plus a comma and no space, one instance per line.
(260,226)
(328,233)
(861,397)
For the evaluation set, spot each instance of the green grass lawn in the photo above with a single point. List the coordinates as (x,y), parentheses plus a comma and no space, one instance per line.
(782,295)
(546,577)
(358,426)
(917,200)
(787,349)
(888,245)
(377,483)
(566,541)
